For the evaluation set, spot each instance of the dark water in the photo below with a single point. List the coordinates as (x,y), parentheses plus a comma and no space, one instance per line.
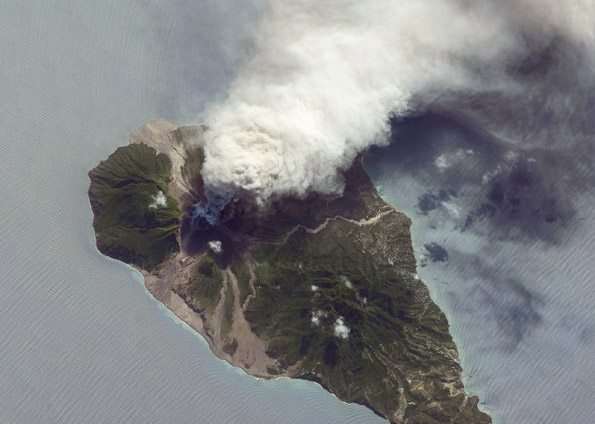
(504,234)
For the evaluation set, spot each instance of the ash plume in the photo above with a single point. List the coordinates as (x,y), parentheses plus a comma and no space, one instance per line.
(324,78)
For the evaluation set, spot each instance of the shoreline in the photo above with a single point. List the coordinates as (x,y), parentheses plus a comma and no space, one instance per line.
(425,275)
(137,275)
(167,282)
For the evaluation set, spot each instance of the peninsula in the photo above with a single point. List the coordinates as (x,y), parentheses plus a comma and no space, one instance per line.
(323,289)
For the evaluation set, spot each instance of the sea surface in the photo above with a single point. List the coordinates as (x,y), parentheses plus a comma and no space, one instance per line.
(82,341)
(504,237)
(504,233)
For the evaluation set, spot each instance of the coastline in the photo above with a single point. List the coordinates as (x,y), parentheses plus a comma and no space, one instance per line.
(162,283)
(248,352)
(168,312)
(429,279)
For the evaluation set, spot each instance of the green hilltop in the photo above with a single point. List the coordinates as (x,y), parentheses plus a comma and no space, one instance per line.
(133,222)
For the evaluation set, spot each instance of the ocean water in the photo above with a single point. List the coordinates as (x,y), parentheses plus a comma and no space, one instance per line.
(82,340)
(503,229)
(503,234)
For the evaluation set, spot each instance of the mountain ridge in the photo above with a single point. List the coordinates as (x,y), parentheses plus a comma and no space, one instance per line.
(322,288)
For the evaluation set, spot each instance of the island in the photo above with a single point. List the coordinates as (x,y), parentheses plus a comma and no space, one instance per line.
(322,288)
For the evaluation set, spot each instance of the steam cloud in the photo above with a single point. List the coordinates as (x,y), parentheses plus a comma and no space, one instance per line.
(325,76)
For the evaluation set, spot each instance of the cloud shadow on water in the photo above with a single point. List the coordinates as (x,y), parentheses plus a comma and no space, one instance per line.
(480,183)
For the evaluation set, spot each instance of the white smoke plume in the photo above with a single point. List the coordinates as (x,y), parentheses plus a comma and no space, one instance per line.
(325,76)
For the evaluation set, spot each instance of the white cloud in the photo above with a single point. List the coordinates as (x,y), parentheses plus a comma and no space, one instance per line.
(216,246)
(487,177)
(158,200)
(346,281)
(340,329)
(452,209)
(441,162)
(511,156)
(324,77)
(316,315)
(446,160)
(314,288)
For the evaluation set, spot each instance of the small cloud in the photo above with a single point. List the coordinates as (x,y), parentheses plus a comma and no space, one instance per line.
(158,200)
(341,330)
(441,162)
(314,288)
(346,281)
(215,246)
(488,176)
(316,315)
(511,156)
(452,209)
(446,160)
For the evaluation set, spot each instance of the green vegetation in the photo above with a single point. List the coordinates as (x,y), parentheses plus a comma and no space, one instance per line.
(343,304)
(242,273)
(338,305)
(135,219)
(204,288)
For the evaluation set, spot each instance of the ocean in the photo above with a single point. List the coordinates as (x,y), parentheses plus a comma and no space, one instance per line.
(503,231)
(82,339)
(503,234)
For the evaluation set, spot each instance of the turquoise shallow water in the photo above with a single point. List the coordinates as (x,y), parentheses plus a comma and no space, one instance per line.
(82,340)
